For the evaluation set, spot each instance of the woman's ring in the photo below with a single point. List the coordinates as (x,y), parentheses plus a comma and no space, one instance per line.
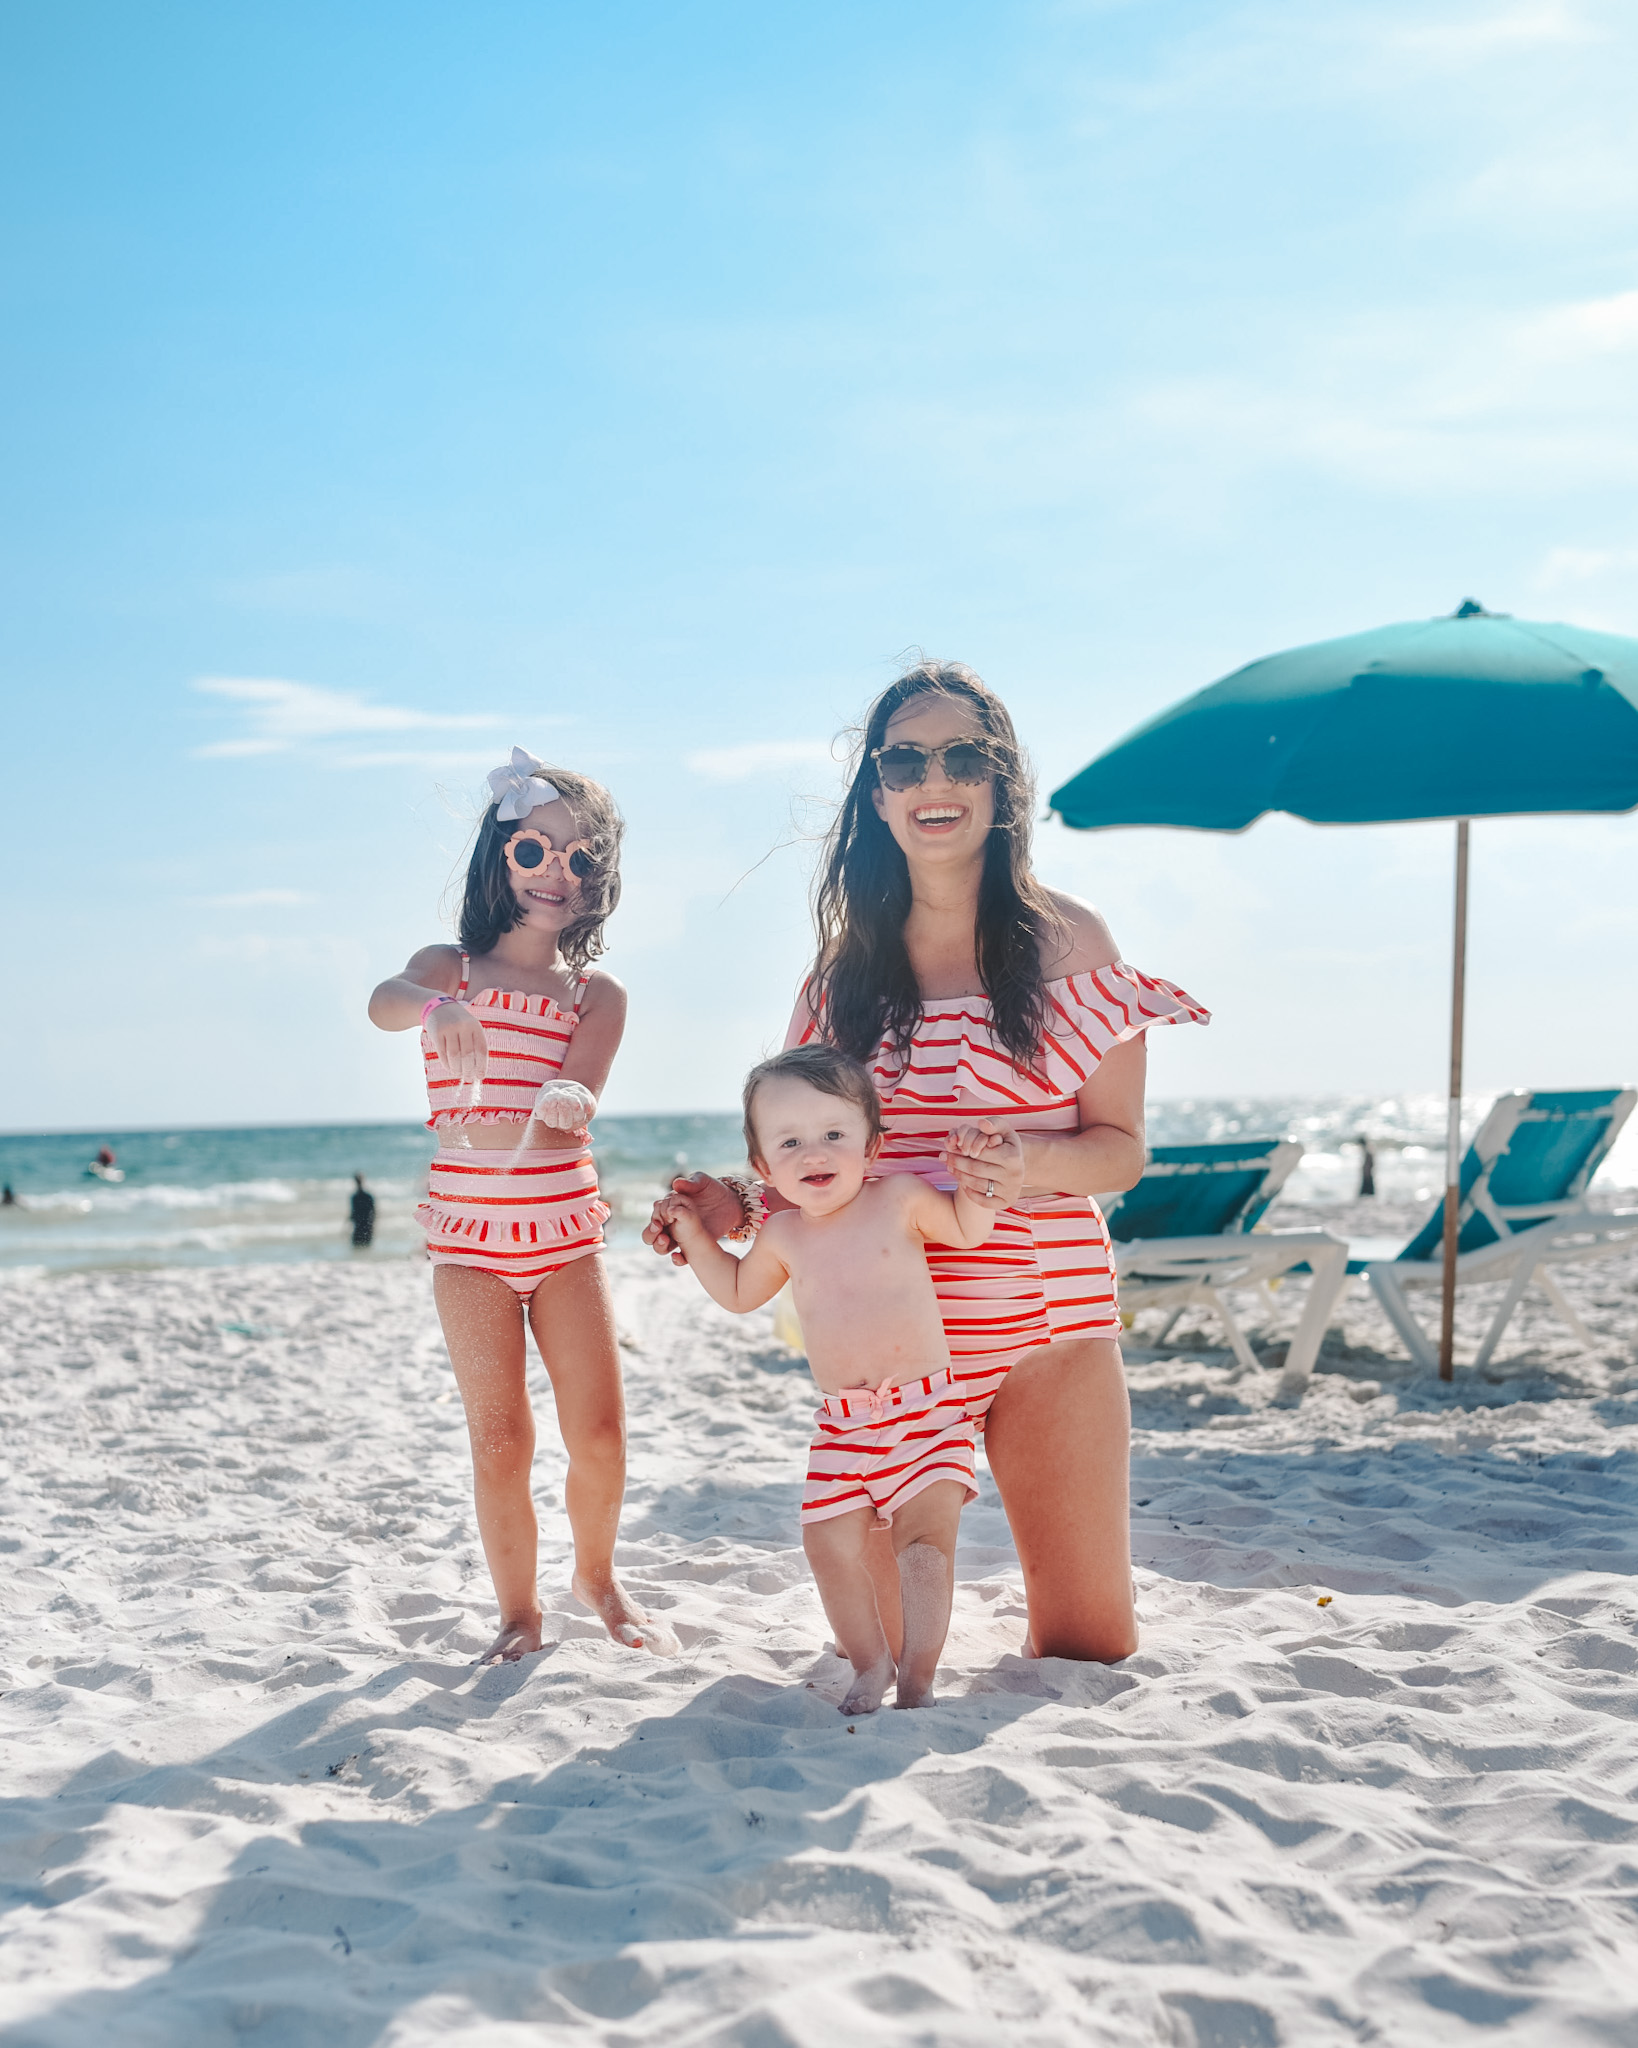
(989,1190)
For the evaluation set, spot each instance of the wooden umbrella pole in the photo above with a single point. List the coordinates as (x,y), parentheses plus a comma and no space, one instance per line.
(1453,1125)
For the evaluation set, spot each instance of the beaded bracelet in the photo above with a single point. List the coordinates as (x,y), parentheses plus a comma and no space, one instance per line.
(753,1205)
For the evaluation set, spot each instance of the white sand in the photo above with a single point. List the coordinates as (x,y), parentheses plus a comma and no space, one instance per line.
(253,1790)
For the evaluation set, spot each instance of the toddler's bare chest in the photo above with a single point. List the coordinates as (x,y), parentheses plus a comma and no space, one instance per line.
(860,1263)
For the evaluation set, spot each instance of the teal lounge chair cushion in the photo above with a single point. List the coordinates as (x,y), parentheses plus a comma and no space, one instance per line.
(1547,1153)
(1195,1191)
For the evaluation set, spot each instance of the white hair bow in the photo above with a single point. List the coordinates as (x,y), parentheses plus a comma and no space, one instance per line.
(521,786)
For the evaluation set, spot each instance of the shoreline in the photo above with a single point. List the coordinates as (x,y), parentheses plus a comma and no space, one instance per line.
(280,1194)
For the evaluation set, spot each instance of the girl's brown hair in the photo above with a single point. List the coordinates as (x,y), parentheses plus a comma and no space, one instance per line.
(490,906)
(863,976)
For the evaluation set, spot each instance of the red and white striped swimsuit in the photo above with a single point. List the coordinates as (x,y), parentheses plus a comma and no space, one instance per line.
(1047,1272)
(519,1215)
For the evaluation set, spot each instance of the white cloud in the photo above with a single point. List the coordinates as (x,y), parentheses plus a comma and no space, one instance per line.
(258,899)
(1601,583)
(443,760)
(1588,327)
(292,953)
(757,757)
(1478,35)
(238,750)
(283,714)
(1563,566)
(1274,54)
(1447,399)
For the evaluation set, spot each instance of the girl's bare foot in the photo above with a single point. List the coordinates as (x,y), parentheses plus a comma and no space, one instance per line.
(623,1618)
(869,1687)
(516,1639)
(910,1694)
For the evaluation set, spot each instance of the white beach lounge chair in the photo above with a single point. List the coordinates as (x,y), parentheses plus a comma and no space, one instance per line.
(1188,1230)
(1524,1209)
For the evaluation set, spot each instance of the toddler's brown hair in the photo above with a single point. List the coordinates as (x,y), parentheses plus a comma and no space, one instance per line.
(822,1067)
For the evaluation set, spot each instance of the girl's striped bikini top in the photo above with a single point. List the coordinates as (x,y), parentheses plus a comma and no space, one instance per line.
(527,1039)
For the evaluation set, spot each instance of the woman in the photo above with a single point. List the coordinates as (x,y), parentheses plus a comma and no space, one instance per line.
(970,988)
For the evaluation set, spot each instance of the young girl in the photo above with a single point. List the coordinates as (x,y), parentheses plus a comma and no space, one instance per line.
(519,1032)
(894,1445)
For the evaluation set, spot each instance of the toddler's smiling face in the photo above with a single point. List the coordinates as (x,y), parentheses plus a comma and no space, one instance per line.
(813,1147)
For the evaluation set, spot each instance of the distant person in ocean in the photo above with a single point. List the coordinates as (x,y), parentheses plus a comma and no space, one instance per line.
(1367,1167)
(970,989)
(519,1031)
(363,1213)
(7,1199)
(105,1155)
(895,1444)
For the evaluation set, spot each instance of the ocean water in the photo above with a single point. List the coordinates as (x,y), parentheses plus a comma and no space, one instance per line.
(221,1197)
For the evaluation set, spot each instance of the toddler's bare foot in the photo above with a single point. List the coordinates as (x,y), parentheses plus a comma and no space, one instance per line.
(865,1695)
(623,1618)
(910,1694)
(516,1639)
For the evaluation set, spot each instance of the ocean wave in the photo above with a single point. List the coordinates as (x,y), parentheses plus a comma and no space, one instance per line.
(282,1195)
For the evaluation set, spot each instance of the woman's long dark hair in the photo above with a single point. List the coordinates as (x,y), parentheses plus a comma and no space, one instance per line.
(490,906)
(862,898)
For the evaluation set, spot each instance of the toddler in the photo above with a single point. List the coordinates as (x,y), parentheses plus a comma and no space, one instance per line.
(894,1445)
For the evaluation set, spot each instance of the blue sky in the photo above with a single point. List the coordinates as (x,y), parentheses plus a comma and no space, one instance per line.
(385,386)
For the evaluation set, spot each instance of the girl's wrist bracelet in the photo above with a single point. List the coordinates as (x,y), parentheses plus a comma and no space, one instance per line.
(428,1008)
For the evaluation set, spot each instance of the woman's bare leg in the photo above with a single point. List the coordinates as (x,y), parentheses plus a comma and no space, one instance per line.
(483,1326)
(572,1318)
(1059,1443)
(836,1550)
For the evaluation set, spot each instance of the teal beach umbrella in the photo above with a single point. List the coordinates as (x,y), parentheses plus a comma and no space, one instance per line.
(1475,715)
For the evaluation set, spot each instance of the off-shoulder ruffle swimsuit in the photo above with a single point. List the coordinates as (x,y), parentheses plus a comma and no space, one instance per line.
(1047,1272)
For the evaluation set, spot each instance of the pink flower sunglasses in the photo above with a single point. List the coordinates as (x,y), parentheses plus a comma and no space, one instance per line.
(530,853)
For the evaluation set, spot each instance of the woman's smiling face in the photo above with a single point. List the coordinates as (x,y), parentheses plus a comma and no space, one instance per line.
(550,899)
(939,820)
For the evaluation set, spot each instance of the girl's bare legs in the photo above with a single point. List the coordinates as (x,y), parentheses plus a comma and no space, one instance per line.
(924,1541)
(483,1326)
(1059,1444)
(572,1318)
(836,1551)
(482,1321)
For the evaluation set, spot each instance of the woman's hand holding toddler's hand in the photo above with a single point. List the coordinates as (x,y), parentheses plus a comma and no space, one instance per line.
(715,1208)
(681,1218)
(457,1038)
(984,1156)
